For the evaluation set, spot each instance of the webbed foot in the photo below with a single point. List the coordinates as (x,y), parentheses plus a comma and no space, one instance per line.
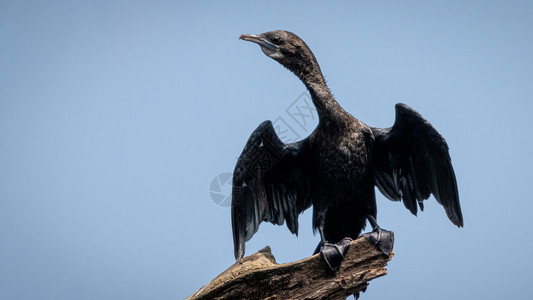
(333,254)
(383,239)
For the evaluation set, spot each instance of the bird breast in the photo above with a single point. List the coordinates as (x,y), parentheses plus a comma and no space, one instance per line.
(343,154)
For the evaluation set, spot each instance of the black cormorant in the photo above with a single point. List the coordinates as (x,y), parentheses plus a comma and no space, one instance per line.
(336,168)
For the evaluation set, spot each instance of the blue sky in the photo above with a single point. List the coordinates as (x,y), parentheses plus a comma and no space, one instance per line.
(116,117)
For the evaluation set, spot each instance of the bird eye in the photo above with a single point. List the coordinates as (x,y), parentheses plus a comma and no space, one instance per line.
(275,40)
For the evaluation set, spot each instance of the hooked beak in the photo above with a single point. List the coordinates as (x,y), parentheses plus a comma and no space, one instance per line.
(259,40)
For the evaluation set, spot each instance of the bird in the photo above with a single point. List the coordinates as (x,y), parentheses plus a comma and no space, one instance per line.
(337,167)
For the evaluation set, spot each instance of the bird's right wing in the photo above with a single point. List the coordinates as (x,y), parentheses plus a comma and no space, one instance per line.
(270,183)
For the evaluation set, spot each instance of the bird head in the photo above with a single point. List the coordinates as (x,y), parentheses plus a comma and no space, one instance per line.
(288,49)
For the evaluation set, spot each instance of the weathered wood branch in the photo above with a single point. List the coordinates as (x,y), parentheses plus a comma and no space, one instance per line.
(258,276)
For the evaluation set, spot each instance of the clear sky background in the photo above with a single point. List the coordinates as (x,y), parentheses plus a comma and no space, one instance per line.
(116,117)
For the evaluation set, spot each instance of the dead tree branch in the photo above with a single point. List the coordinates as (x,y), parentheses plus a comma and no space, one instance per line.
(258,276)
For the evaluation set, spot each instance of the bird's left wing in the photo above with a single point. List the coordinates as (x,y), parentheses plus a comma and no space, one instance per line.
(270,183)
(411,162)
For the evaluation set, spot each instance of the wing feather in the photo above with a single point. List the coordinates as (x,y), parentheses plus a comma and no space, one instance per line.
(270,184)
(411,162)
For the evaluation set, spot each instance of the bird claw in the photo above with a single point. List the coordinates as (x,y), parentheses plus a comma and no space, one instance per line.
(383,239)
(356,295)
(333,254)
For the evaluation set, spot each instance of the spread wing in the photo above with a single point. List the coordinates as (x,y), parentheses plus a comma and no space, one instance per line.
(411,162)
(270,183)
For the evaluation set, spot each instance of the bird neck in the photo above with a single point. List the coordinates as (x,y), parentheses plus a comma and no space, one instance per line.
(329,110)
